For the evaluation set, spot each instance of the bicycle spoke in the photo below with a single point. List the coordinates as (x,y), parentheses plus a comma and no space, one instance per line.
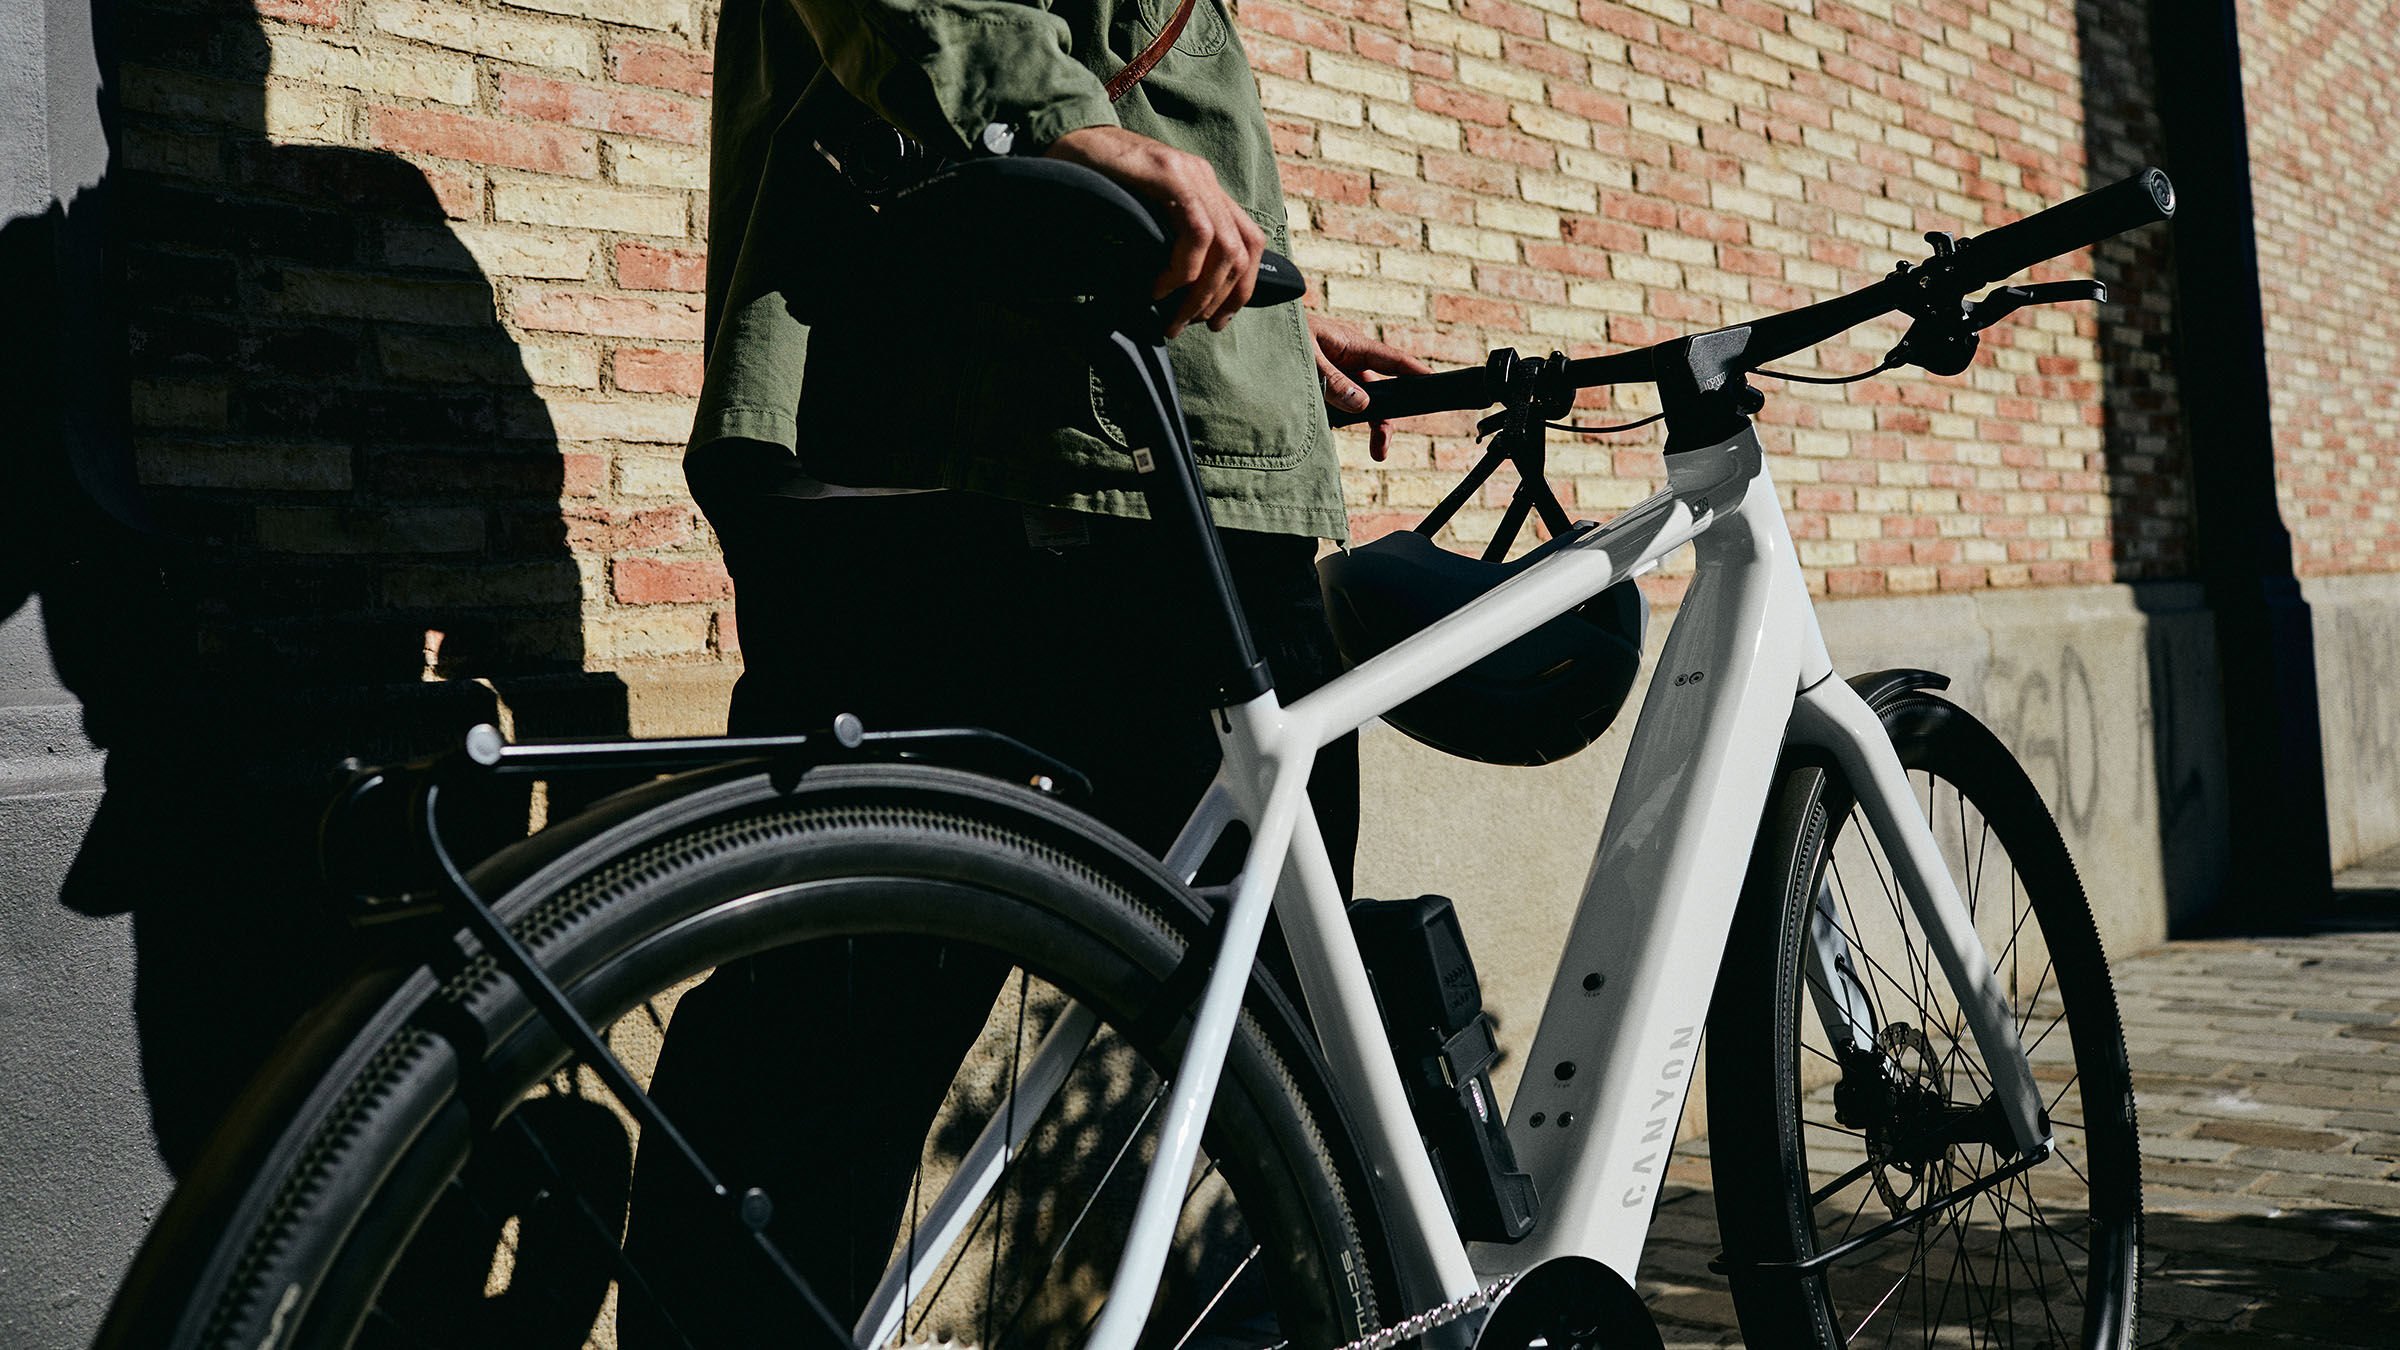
(1214,1299)
(1016,1050)
(1058,1250)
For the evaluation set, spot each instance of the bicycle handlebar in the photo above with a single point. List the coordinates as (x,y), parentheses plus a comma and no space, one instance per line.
(2103,214)
(1976,263)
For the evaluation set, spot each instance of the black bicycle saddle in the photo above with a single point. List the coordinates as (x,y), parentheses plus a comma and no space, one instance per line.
(1034,232)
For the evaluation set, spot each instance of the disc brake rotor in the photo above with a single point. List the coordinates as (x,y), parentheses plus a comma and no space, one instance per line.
(1917,1073)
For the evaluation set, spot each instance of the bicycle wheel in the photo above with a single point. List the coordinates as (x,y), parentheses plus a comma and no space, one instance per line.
(455,1179)
(1854,1141)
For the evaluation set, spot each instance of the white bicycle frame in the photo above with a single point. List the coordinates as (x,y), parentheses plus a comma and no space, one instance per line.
(1743,675)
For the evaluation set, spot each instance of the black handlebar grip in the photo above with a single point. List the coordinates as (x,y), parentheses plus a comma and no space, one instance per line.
(1278,281)
(1414,395)
(2002,253)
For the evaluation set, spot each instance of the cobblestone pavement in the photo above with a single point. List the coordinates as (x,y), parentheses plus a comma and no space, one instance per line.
(2267,1073)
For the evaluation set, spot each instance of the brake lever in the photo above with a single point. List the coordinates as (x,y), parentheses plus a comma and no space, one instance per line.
(2007,300)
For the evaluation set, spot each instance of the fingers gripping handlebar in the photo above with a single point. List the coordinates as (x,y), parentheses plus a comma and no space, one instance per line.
(1948,278)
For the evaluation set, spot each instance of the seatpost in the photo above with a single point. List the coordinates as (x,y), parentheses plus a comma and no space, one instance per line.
(1171,484)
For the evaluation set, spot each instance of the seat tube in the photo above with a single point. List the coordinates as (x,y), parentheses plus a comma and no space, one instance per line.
(1171,484)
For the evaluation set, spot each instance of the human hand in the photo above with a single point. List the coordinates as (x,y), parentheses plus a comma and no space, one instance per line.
(1344,354)
(1217,245)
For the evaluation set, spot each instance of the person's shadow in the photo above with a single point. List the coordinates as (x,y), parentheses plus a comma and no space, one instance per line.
(330,525)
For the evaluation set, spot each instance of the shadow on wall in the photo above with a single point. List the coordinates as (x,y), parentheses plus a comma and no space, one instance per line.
(347,487)
(2148,477)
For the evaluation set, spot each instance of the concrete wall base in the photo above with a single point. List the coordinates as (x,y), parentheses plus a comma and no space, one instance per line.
(2357,623)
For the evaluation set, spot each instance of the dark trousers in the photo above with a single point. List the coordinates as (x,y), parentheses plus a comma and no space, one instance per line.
(814,1072)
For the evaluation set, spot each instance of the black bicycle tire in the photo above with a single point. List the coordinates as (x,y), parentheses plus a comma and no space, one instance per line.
(1757,1157)
(277,1210)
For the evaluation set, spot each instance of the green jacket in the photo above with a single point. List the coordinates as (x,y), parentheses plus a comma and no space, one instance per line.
(1017,420)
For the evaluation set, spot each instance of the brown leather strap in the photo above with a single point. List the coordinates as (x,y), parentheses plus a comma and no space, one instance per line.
(1151,55)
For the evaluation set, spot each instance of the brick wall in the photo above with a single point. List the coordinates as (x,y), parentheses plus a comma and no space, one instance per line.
(2317,81)
(415,272)
(409,276)
(1527,172)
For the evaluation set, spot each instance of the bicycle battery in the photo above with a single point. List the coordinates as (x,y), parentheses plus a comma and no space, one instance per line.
(1432,1005)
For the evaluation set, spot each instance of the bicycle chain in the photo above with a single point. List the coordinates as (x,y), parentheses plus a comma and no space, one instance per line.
(1433,1318)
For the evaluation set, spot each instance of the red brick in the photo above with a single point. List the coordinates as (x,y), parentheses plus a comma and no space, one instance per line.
(1309,30)
(1478,309)
(1504,15)
(668,581)
(1316,182)
(647,267)
(661,66)
(511,145)
(1477,175)
(1508,145)
(604,529)
(626,111)
(648,370)
(1466,104)
(315,13)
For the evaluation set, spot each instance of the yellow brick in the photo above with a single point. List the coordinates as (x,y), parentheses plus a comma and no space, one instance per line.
(1517,218)
(1425,269)
(306,112)
(1594,167)
(1682,248)
(1646,271)
(590,208)
(1587,40)
(1342,147)
(652,476)
(440,79)
(1620,297)
(1361,295)
(654,164)
(1665,125)
(530,42)
(1553,324)
(649,633)
(1444,29)
(495,251)
(1550,124)
(561,367)
(1370,78)
(1675,12)
(1304,100)
(675,14)
(621,420)
(1413,124)
(1318,256)
(1468,242)
(1567,194)
(1500,78)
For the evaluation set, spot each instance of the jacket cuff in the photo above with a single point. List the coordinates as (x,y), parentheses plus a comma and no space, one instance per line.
(1041,128)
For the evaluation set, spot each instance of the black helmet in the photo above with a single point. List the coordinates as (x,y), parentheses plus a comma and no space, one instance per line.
(1541,698)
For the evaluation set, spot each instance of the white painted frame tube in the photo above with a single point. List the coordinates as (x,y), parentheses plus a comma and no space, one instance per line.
(1613,1056)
